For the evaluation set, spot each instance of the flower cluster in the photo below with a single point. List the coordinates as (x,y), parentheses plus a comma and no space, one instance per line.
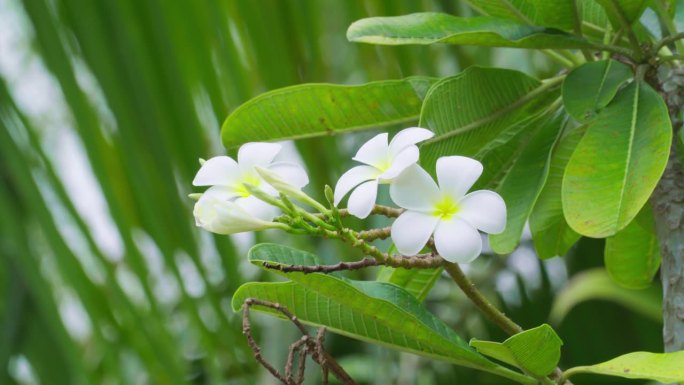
(246,195)
(229,206)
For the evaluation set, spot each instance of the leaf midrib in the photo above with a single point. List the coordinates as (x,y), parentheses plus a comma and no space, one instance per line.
(603,81)
(632,130)
(549,86)
(361,309)
(425,342)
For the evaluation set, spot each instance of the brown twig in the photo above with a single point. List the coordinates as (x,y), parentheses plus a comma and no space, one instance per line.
(320,338)
(371,235)
(294,348)
(247,331)
(421,261)
(387,211)
(305,346)
(302,365)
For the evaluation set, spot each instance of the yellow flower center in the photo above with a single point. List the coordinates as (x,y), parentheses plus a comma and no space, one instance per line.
(446,208)
(384,166)
(254,180)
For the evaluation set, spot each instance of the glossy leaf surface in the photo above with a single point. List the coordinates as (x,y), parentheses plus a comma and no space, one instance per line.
(523,183)
(632,135)
(432,27)
(372,311)
(535,351)
(662,367)
(549,13)
(632,256)
(310,110)
(551,234)
(591,86)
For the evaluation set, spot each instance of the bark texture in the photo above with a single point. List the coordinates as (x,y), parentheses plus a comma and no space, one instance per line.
(668,205)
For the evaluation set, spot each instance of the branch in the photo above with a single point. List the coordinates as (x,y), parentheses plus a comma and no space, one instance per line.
(667,40)
(306,345)
(387,211)
(577,21)
(371,235)
(665,20)
(490,311)
(420,261)
(486,307)
(633,40)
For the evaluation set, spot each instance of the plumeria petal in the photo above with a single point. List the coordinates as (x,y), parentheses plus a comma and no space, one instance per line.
(485,210)
(457,241)
(292,173)
(457,174)
(408,137)
(233,216)
(414,189)
(257,154)
(219,170)
(204,211)
(405,158)
(362,200)
(411,231)
(374,152)
(222,193)
(353,178)
(257,208)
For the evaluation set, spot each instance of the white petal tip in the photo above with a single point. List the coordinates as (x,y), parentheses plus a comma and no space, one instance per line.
(361,215)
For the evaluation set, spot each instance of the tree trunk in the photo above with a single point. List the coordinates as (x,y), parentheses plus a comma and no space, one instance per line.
(668,205)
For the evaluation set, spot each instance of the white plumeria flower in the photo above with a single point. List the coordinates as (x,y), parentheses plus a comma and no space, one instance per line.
(228,177)
(284,187)
(227,206)
(382,163)
(229,216)
(445,210)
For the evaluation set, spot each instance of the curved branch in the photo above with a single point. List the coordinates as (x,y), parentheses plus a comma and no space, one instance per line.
(306,345)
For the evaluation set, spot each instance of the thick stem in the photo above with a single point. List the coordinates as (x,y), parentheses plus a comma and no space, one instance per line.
(577,18)
(486,307)
(633,40)
(420,261)
(668,207)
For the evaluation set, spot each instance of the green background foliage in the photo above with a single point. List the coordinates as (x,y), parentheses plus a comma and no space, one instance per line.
(105,107)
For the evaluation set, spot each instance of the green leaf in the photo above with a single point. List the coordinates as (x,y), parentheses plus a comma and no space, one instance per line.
(532,167)
(377,312)
(597,285)
(480,110)
(431,28)
(495,350)
(364,310)
(591,86)
(535,351)
(417,282)
(667,368)
(594,18)
(631,9)
(548,13)
(618,162)
(551,234)
(310,110)
(632,256)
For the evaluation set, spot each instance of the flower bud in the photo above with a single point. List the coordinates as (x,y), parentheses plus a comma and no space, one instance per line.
(233,216)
